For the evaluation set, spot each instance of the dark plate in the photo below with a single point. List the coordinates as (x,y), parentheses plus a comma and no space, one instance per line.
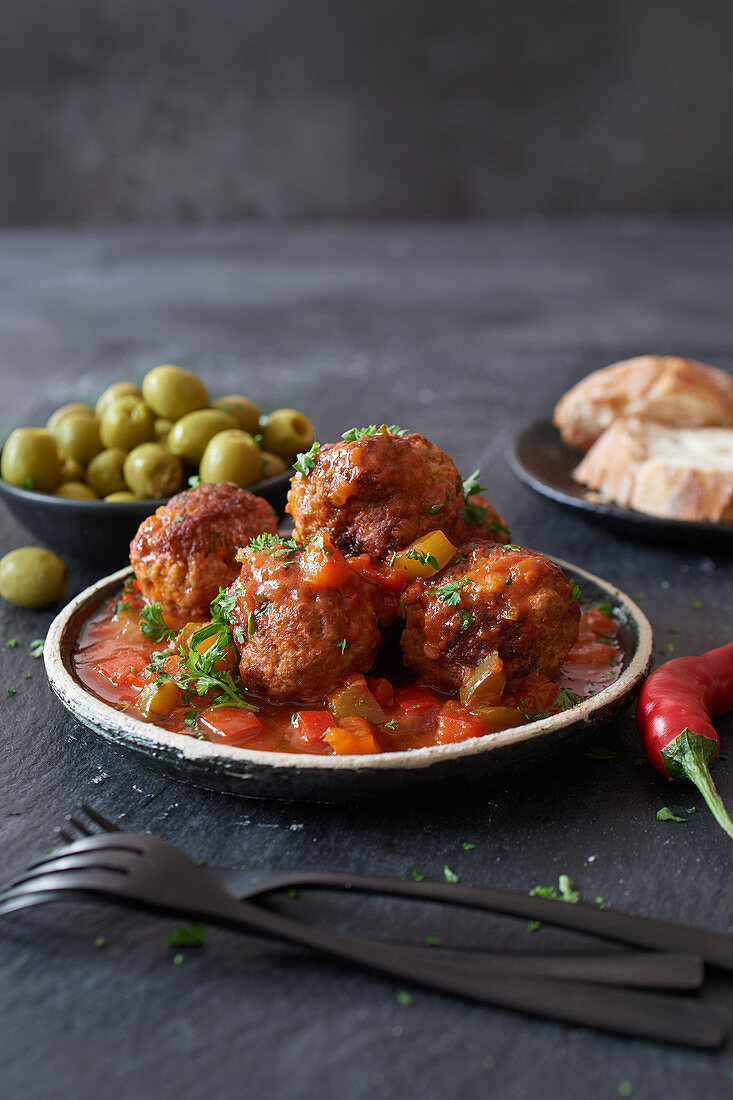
(299,776)
(96,531)
(541,459)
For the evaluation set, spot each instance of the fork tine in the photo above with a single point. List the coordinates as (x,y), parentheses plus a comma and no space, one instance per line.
(64,835)
(68,861)
(80,825)
(99,819)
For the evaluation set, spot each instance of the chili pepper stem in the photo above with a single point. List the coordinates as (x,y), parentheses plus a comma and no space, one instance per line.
(689,757)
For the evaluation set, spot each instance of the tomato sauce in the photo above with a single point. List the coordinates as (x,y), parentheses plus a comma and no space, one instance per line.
(116,663)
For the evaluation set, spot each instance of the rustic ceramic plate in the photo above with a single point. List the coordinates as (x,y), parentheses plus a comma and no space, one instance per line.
(541,459)
(296,776)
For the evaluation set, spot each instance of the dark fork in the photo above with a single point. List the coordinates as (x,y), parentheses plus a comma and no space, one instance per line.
(146,873)
(640,970)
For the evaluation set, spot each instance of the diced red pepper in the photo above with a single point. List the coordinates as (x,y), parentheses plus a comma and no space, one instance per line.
(126,669)
(352,736)
(392,580)
(312,724)
(381,689)
(601,625)
(414,707)
(230,725)
(535,693)
(456,723)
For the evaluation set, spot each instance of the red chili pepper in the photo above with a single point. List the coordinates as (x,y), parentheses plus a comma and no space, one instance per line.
(673,717)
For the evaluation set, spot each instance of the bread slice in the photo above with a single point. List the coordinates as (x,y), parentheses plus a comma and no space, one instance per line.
(664,388)
(675,473)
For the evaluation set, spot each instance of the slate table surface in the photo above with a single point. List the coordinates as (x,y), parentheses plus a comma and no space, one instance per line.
(463,332)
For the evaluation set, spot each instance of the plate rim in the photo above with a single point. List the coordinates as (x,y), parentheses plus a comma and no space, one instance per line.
(629,516)
(178,748)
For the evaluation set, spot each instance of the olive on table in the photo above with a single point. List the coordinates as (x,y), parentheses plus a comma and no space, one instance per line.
(152,471)
(232,456)
(189,435)
(244,411)
(104,472)
(126,423)
(286,432)
(76,490)
(272,465)
(77,436)
(74,407)
(33,577)
(172,392)
(70,470)
(30,460)
(113,392)
(124,496)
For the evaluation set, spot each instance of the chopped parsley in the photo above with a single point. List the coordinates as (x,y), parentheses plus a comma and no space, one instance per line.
(36,648)
(101,941)
(605,609)
(342,644)
(12,643)
(191,719)
(450,876)
(392,725)
(194,481)
(475,513)
(432,941)
(423,558)
(29,483)
(418,876)
(404,998)
(467,846)
(354,434)
(153,625)
(251,623)
(466,617)
(450,592)
(600,752)
(574,590)
(276,543)
(567,699)
(190,935)
(564,892)
(306,460)
(665,814)
(11,691)
(178,517)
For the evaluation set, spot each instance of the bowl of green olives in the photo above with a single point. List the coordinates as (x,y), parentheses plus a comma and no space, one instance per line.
(84,483)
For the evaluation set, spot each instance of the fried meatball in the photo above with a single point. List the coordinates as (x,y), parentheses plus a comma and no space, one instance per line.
(303,621)
(478,519)
(490,598)
(377,494)
(186,551)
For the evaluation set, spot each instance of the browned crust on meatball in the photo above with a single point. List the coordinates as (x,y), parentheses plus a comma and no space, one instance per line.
(297,642)
(514,601)
(378,494)
(186,551)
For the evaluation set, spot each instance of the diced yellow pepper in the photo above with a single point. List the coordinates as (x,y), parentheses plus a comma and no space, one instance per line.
(425,556)
(354,700)
(501,718)
(158,699)
(487,683)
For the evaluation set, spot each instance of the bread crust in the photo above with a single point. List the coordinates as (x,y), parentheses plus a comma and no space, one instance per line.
(662,388)
(672,473)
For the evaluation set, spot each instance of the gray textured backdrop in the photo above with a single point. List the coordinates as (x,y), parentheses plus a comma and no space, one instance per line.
(187,110)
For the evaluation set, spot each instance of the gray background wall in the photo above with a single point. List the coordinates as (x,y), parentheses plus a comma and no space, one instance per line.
(216,110)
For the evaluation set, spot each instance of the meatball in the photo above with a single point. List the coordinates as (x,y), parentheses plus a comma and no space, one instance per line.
(186,551)
(490,599)
(479,520)
(376,494)
(303,620)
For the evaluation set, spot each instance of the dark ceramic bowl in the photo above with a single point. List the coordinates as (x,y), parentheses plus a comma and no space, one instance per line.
(98,532)
(299,776)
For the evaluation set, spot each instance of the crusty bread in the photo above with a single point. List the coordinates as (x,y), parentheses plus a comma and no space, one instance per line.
(664,388)
(676,473)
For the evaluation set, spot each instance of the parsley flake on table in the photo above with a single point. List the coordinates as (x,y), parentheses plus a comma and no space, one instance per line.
(12,643)
(101,941)
(306,460)
(36,648)
(404,998)
(432,941)
(189,935)
(665,814)
(450,876)
(418,876)
(153,625)
(599,752)
(467,846)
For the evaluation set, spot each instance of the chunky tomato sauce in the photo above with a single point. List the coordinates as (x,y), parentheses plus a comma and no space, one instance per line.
(142,676)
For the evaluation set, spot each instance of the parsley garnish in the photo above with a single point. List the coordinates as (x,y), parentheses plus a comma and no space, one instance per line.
(605,609)
(449,592)
(574,590)
(665,814)
(191,719)
(306,460)
(450,876)
(153,625)
(567,699)
(404,997)
(392,725)
(466,617)
(474,513)
(11,691)
(194,481)
(275,543)
(423,558)
(178,517)
(564,893)
(354,434)
(599,752)
(12,643)
(36,647)
(467,846)
(29,483)
(342,644)
(418,876)
(190,935)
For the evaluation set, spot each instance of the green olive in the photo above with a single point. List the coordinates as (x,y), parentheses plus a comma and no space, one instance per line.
(111,394)
(126,423)
(77,437)
(162,428)
(30,460)
(104,472)
(189,435)
(70,470)
(33,577)
(152,471)
(172,392)
(286,432)
(75,407)
(244,411)
(232,456)
(123,496)
(272,465)
(76,490)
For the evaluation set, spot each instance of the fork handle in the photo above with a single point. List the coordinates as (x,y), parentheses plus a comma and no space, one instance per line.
(658,935)
(642,1015)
